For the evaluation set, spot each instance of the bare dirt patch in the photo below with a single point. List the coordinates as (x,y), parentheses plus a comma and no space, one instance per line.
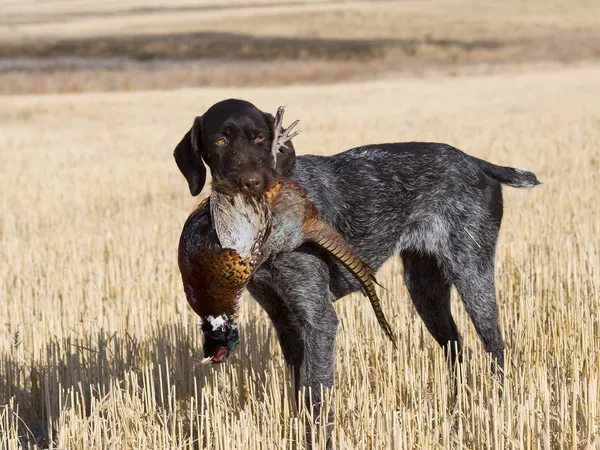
(227,59)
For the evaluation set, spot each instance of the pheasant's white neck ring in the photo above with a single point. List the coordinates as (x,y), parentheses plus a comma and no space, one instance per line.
(218,322)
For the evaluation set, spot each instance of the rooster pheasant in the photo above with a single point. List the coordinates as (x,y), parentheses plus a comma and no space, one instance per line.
(231,234)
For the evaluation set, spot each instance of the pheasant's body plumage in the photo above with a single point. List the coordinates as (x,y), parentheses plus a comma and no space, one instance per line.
(230,235)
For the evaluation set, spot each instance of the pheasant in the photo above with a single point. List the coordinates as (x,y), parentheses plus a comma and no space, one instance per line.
(229,235)
(215,267)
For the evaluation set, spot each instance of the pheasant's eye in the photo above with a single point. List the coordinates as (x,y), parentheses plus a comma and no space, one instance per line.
(258,139)
(221,142)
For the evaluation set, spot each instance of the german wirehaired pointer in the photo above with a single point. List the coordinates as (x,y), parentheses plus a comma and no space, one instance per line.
(437,207)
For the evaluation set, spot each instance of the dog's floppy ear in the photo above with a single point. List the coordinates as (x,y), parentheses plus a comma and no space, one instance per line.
(286,156)
(189,160)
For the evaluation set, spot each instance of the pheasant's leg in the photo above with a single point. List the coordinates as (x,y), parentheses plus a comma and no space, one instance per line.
(280,136)
(294,291)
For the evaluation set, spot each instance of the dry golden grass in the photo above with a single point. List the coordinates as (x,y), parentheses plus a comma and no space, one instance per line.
(98,348)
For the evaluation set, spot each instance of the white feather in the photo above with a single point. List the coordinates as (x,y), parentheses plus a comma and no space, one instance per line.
(239,222)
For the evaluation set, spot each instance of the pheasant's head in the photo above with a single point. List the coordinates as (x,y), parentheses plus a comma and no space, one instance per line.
(221,338)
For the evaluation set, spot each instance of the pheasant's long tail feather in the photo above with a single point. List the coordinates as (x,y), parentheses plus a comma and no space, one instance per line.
(326,237)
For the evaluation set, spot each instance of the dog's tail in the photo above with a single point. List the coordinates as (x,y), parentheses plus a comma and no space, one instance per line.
(519,178)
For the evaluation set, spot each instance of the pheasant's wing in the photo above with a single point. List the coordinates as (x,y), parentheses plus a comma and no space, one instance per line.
(326,237)
(241,223)
(197,231)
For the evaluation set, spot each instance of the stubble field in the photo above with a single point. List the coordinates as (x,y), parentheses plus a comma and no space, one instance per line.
(98,348)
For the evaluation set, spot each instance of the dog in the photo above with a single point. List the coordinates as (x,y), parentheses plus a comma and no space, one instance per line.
(435,206)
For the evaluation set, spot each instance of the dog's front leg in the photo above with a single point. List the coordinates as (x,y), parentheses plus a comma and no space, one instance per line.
(310,350)
(314,361)
(294,290)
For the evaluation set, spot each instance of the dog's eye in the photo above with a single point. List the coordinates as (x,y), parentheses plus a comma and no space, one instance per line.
(258,139)
(221,142)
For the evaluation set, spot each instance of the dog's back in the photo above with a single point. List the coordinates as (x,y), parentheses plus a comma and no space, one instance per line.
(414,196)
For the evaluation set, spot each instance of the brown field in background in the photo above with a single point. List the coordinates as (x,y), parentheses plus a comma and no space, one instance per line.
(98,347)
(299,18)
(75,46)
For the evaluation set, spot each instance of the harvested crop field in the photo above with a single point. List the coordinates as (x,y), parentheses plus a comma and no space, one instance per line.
(98,347)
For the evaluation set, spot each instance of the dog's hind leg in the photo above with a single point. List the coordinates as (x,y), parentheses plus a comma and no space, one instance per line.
(429,290)
(475,284)
(472,267)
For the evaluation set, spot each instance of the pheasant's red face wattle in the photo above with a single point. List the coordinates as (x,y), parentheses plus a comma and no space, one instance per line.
(220,356)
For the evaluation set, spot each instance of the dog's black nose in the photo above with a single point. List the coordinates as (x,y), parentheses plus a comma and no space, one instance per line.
(253,182)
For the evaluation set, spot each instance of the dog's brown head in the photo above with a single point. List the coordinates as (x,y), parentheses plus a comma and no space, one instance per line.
(233,138)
